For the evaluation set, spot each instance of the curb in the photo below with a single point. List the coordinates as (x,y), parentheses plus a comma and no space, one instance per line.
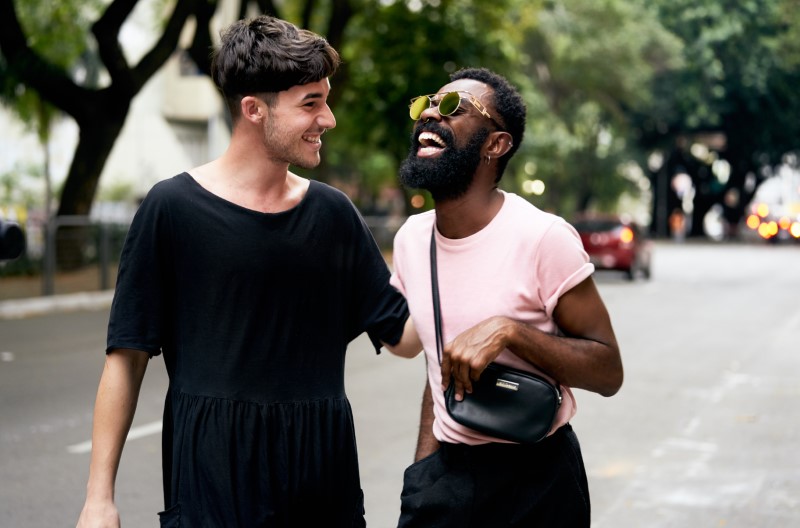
(22,308)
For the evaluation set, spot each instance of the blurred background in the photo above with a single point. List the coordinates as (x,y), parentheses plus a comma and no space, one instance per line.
(666,131)
(679,116)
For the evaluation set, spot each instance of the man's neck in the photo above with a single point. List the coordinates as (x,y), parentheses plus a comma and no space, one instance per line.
(468,214)
(248,178)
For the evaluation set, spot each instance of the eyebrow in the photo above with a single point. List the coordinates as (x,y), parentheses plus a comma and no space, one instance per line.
(314,95)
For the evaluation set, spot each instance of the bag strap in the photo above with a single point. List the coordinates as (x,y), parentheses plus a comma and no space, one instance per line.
(437,313)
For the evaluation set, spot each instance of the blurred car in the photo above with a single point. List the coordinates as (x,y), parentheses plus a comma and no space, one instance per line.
(615,244)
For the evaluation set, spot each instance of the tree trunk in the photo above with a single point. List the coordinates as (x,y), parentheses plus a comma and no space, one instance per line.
(96,139)
(97,136)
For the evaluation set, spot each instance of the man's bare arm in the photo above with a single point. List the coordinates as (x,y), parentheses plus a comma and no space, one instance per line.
(409,345)
(586,357)
(115,406)
(426,442)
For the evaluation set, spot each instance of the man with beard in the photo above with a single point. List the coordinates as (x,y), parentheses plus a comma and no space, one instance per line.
(251,281)
(516,288)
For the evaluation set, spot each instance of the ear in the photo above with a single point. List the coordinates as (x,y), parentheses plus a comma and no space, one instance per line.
(254,110)
(499,143)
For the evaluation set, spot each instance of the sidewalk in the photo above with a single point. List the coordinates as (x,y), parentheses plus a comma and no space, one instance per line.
(68,302)
(21,295)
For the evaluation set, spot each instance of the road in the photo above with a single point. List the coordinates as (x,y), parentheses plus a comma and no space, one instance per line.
(704,432)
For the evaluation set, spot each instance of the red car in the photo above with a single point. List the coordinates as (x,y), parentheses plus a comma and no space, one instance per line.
(615,244)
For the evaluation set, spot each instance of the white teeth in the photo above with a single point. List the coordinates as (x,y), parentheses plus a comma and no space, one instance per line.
(426,138)
(311,139)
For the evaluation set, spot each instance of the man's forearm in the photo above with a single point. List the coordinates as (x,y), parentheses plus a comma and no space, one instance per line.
(586,356)
(115,405)
(409,345)
(576,362)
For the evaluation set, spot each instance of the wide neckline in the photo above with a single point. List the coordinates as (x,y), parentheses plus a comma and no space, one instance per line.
(312,184)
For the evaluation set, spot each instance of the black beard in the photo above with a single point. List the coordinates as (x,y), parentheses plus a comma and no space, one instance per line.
(448,176)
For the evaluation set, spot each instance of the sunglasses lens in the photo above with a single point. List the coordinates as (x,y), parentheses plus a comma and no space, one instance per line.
(418,105)
(449,103)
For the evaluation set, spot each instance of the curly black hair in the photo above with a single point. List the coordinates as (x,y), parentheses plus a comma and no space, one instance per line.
(508,103)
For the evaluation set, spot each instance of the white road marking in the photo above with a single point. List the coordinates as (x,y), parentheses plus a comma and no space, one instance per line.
(133,434)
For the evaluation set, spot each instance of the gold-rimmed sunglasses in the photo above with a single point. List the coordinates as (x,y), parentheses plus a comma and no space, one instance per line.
(447,105)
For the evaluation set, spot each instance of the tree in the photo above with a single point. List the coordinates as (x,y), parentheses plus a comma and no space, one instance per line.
(396,50)
(58,36)
(737,87)
(592,62)
(603,80)
(100,112)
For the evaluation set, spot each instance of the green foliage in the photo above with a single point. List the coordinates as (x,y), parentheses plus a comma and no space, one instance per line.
(396,50)
(20,186)
(737,80)
(59,32)
(592,63)
(605,81)
(737,58)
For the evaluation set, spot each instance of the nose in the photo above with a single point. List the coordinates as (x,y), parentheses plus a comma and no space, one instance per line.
(327,119)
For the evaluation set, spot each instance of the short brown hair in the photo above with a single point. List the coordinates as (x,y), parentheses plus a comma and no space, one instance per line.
(268,55)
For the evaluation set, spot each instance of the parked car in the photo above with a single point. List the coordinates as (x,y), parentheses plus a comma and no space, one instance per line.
(614,243)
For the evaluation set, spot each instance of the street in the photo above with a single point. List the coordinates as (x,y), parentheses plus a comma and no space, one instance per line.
(703,433)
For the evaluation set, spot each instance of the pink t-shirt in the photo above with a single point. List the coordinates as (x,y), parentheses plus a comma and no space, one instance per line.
(518,266)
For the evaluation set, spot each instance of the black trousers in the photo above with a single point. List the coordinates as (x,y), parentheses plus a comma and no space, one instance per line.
(499,485)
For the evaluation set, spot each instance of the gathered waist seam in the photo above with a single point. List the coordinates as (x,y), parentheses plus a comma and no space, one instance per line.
(184,394)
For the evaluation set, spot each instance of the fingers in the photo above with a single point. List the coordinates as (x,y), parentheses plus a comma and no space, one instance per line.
(454,371)
(466,357)
(463,379)
(458,370)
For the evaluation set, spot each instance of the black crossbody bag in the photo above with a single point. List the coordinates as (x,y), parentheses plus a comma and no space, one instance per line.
(505,402)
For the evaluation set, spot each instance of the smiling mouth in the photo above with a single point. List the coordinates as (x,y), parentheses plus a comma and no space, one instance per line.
(313,139)
(430,144)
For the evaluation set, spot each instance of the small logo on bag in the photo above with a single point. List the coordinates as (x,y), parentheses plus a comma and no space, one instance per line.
(505,384)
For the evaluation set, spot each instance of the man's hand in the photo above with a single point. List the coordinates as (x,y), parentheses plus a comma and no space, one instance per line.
(99,514)
(466,357)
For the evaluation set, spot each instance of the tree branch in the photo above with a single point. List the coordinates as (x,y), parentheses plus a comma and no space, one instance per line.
(202,44)
(52,82)
(106,31)
(267,7)
(163,48)
(308,10)
(341,13)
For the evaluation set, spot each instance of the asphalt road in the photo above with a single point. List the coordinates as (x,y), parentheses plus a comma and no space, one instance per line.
(704,432)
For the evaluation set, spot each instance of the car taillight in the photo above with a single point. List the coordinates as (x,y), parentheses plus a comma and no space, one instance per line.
(626,235)
(768,230)
(753,221)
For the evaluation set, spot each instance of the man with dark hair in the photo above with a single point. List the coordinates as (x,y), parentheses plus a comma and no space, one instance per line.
(251,281)
(515,288)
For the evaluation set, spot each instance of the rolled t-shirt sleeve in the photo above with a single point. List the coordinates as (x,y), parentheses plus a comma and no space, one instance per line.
(561,264)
